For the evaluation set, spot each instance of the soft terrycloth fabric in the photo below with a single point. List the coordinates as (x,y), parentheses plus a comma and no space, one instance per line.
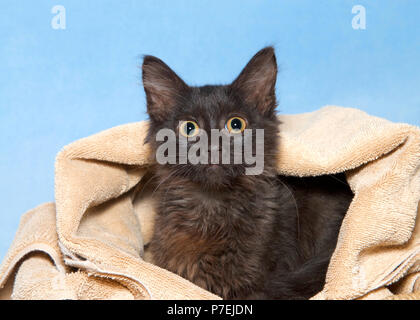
(89,245)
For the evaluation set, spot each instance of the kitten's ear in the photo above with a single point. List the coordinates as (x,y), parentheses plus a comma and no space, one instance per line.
(162,87)
(257,81)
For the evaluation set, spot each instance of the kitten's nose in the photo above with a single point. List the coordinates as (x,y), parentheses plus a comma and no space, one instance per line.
(214,149)
(214,155)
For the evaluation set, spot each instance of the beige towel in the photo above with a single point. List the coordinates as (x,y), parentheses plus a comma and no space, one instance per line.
(89,245)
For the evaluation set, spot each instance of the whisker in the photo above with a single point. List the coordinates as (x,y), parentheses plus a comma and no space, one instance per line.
(296,206)
(165,179)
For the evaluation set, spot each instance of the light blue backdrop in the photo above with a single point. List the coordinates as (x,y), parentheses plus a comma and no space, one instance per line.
(57,86)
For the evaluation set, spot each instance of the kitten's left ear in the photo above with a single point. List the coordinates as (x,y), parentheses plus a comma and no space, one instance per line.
(257,81)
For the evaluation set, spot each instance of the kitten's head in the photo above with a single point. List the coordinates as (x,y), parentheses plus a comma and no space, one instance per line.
(249,102)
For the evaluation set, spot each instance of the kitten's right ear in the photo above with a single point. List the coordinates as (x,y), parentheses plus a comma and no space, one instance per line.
(162,87)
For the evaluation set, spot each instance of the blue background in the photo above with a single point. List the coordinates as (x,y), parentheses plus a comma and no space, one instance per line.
(57,86)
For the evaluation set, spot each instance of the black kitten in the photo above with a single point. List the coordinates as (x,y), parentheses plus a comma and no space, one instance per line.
(238,235)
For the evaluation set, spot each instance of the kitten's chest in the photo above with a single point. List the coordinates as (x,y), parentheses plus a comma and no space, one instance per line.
(235,213)
(205,206)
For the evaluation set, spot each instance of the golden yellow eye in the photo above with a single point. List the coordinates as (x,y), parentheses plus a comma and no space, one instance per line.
(236,125)
(188,128)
